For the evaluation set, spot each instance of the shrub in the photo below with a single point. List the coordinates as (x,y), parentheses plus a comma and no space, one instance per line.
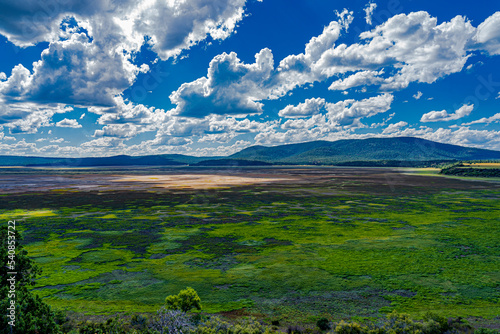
(171,322)
(483,330)
(213,325)
(139,321)
(295,330)
(435,324)
(111,325)
(248,326)
(323,324)
(401,323)
(350,328)
(184,301)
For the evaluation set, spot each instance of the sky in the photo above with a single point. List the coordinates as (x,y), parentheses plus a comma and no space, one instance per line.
(212,77)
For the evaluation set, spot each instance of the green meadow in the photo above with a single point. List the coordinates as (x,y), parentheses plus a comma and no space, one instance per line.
(342,248)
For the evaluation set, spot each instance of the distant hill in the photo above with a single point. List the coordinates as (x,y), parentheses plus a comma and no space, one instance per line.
(119,160)
(399,151)
(363,150)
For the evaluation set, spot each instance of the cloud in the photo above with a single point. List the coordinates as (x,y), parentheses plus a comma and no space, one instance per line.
(369,12)
(462,136)
(172,26)
(4,137)
(418,95)
(29,117)
(128,112)
(391,128)
(20,147)
(297,70)
(230,87)
(224,137)
(223,150)
(75,71)
(178,141)
(9,113)
(26,23)
(486,120)
(90,59)
(349,112)
(18,82)
(308,108)
(117,131)
(488,35)
(106,144)
(316,121)
(358,79)
(406,48)
(345,18)
(68,123)
(443,116)
(178,25)
(412,45)
(213,128)
(343,113)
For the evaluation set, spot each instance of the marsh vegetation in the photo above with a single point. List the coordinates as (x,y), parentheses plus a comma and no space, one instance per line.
(312,243)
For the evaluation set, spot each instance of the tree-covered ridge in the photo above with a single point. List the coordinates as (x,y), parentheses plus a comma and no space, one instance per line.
(472,170)
(399,151)
(373,149)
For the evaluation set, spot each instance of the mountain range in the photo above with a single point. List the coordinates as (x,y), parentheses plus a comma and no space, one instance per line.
(397,151)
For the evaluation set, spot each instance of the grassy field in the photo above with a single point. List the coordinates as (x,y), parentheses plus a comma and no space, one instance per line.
(482,164)
(340,243)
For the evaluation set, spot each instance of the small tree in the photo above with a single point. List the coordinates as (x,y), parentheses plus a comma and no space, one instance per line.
(185,300)
(32,315)
(323,324)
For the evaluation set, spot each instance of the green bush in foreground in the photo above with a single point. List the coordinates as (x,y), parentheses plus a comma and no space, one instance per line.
(323,324)
(396,323)
(486,331)
(184,301)
(179,322)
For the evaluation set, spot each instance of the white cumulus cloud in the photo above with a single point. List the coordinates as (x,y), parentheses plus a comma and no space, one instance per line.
(444,116)
(68,123)
(488,34)
(369,12)
(231,87)
(308,108)
(486,120)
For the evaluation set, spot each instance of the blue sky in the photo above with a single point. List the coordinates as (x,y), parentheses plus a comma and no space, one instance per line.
(211,77)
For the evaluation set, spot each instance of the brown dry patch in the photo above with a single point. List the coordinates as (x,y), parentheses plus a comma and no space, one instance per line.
(235,314)
(198,181)
(321,181)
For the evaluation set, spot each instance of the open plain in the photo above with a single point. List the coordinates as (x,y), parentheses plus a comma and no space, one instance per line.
(277,243)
